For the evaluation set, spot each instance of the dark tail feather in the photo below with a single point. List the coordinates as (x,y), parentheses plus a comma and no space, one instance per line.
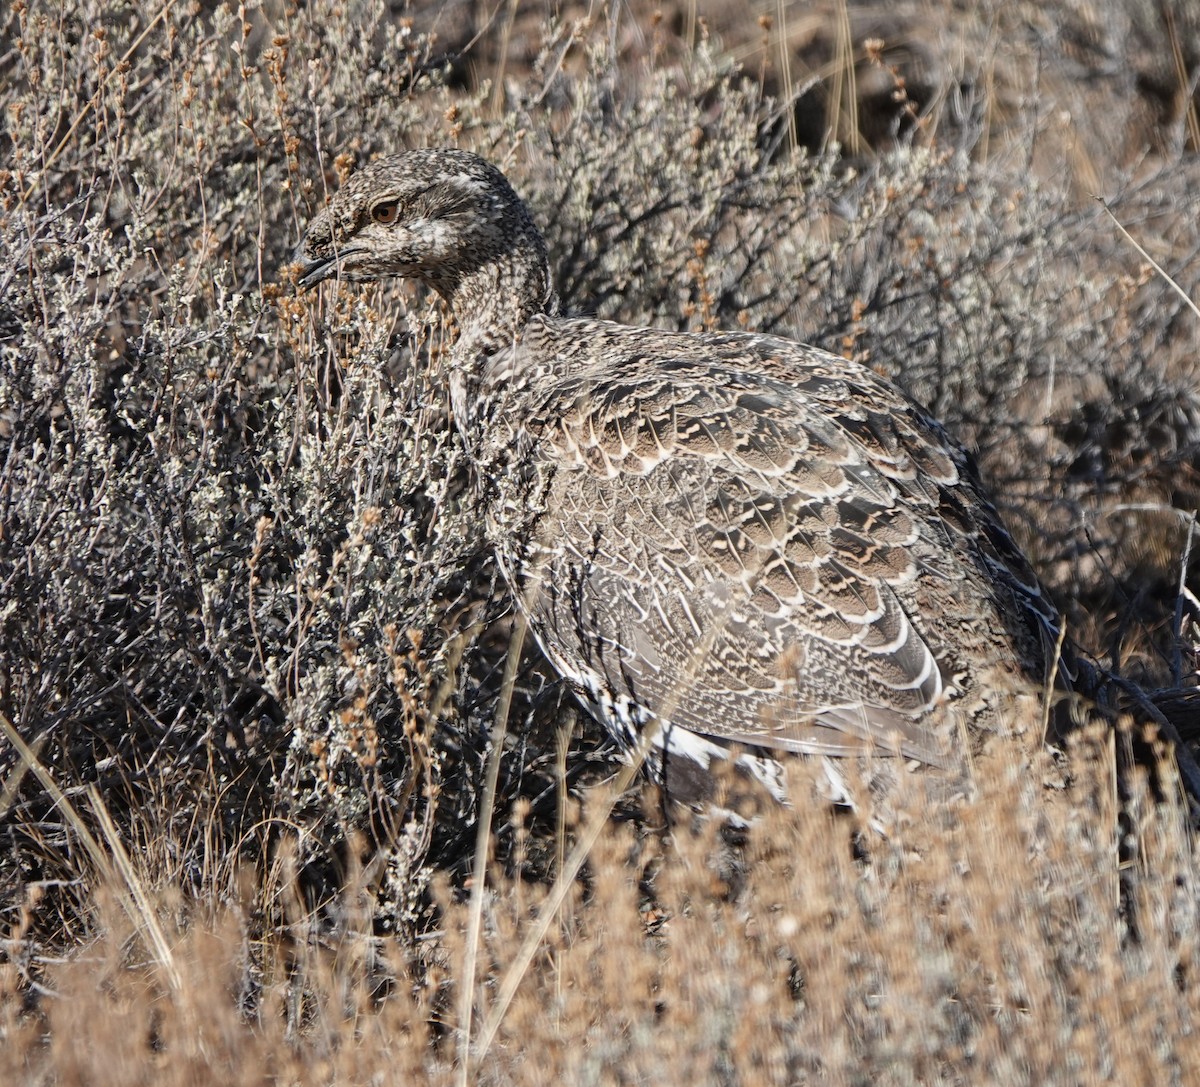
(1181,707)
(1175,711)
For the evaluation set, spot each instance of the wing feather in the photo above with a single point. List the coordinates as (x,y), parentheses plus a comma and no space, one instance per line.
(748,542)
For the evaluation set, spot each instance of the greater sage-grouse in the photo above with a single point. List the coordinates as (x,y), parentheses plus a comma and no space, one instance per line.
(729,544)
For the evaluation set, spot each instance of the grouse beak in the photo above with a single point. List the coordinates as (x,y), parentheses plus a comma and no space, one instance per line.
(313,272)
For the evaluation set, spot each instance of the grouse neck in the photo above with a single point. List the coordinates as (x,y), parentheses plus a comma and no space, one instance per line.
(494,300)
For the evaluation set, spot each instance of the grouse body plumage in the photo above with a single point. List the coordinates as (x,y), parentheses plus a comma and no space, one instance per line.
(727,543)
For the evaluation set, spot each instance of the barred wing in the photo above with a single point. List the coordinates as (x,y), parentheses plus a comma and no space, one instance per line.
(752,545)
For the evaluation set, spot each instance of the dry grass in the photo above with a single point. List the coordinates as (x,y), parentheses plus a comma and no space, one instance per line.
(998,946)
(254,644)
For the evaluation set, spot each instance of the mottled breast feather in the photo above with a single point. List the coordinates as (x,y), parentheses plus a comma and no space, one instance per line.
(768,545)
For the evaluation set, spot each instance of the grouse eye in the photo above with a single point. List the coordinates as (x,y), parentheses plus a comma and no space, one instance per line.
(386,213)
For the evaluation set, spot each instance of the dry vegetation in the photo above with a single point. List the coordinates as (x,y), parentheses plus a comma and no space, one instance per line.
(251,646)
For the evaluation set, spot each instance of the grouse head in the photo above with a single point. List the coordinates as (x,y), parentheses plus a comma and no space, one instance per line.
(445,217)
